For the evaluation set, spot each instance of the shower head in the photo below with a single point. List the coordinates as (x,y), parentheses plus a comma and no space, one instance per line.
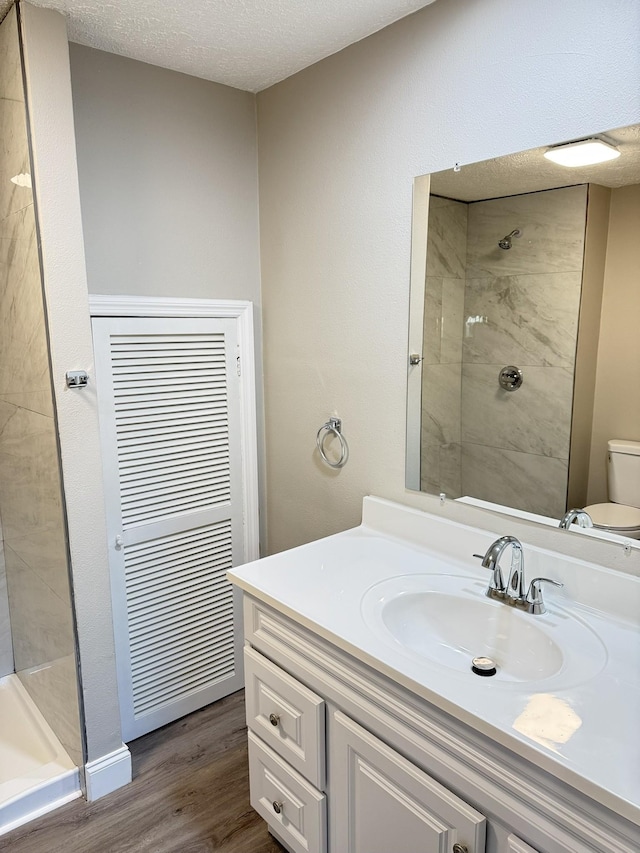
(505,243)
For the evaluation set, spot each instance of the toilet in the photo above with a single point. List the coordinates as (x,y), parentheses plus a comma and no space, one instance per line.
(622,514)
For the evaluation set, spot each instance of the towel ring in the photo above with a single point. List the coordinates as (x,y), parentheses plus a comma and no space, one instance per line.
(333,427)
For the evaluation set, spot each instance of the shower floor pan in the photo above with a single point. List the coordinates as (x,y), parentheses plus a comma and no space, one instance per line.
(36,774)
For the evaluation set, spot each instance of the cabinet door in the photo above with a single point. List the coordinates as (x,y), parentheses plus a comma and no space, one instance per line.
(380,802)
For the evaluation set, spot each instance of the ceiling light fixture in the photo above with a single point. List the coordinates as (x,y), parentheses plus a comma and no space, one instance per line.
(586,152)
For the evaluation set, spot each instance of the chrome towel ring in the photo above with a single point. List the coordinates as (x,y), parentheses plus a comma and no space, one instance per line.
(333,427)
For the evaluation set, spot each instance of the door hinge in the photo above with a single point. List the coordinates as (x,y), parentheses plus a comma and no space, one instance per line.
(238,367)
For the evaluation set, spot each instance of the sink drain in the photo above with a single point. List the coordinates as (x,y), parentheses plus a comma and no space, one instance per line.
(483,666)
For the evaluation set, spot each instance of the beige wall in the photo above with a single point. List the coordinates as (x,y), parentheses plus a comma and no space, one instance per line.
(168,174)
(616,412)
(339,146)
(595,254)
(167,167)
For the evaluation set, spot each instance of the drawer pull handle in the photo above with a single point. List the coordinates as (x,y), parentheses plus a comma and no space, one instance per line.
(274,719)
(460,848)
(278,807)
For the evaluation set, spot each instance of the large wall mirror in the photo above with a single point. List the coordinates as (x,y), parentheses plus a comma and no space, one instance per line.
(524,351)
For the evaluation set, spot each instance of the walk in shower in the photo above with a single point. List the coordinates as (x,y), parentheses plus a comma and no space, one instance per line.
(502,298)
(41,744)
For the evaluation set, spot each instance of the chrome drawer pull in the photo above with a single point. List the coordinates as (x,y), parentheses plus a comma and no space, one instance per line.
(460,848)
(278,807)
(274,719)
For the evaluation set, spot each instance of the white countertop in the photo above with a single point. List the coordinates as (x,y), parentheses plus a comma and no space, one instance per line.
(587,733)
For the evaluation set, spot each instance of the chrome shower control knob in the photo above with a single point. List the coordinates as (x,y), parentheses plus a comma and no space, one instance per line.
(274,719)
(510,378)
(460,848)
(277,807)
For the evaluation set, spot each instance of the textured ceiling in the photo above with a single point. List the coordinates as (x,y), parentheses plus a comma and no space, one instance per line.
(529,171)
(248,44)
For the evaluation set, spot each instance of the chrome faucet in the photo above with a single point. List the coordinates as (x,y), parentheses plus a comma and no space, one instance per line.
(513,592)
(491,560)
(580,516)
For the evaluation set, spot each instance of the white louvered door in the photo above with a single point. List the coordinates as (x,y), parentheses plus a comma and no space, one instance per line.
(168,396)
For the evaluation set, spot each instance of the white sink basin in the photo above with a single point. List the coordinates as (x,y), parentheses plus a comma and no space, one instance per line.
(447,620)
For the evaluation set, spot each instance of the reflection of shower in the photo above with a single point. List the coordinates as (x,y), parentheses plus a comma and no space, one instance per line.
(505,243)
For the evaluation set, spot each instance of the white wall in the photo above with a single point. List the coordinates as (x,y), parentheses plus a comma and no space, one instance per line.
(339,146)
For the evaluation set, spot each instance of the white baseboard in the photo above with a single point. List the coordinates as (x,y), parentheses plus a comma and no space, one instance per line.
(108,773)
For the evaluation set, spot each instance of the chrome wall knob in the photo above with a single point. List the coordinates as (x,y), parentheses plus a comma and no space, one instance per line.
(274,719)
(277,807)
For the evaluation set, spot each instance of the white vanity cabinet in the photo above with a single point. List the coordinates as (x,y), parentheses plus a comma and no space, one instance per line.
(375,791)
(401,775)
(382,803)
(286,724)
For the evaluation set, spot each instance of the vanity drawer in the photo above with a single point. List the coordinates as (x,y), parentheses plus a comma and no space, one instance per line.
(285,714)
(294,808)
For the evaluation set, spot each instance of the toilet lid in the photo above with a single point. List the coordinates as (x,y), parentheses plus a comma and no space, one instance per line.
(614,515)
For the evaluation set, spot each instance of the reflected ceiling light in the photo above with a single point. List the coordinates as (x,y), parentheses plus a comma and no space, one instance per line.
(21,180)
(583,153)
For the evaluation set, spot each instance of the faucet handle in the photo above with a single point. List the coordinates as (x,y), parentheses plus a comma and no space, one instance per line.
(534,595)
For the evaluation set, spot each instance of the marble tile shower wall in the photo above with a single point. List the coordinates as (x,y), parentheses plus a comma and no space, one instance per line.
(525,301)
(442,347)
(35,549)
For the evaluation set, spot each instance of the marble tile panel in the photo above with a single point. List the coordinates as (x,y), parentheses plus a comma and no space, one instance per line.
(534,419)
(527,320)
(45,551)
(441,385)
(41,621)
(552,227)
(521,480)
(54,689)
(14,158)
(6,646)
(440,468)
(453,290)
(30,494)
(432,325)
(11,85)
(33,401)
(443,313)
(22,327)
(446,238)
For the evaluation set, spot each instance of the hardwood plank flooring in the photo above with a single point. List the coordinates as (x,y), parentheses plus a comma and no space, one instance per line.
(190,794)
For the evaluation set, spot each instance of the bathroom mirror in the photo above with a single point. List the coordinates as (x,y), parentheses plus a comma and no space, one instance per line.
(524,353)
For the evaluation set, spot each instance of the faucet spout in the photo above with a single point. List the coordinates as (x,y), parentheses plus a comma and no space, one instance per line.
(514,587)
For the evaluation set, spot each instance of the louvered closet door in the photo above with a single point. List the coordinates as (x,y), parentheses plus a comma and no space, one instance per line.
(168,398)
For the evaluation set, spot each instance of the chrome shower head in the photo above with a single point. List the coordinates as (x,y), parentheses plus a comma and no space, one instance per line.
(505,243)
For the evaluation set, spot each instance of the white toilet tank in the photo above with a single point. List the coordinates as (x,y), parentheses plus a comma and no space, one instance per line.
(623,472)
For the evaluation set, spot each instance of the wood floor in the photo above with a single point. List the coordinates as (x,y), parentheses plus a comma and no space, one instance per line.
(190,794)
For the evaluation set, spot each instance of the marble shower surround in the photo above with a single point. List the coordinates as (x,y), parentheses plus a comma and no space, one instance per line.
(35,549)
(442,347)
(486,307)
(529,297)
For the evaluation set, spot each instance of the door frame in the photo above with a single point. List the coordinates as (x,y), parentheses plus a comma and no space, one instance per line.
(242,312)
